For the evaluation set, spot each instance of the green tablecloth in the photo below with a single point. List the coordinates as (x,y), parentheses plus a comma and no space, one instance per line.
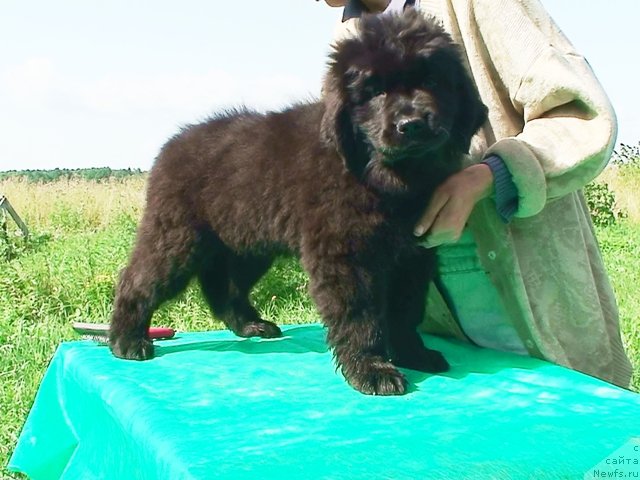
(211,405)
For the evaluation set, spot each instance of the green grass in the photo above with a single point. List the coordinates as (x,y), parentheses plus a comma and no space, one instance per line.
(70,277)
(67,273)
(620,246)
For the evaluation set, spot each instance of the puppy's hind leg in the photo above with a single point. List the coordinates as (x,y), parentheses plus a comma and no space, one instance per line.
(159,269)
(226,280)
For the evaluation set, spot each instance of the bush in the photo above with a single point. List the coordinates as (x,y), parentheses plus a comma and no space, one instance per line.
(602,204)
(627,155)
(615,198)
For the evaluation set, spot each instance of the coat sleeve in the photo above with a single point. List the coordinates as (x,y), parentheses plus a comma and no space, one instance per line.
(568,124)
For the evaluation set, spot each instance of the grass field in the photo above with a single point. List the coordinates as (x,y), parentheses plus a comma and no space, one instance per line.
(81,235)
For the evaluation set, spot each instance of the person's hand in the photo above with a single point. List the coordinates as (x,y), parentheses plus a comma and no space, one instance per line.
(452,203)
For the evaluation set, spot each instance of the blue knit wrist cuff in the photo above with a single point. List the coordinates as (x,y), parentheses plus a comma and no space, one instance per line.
(506,192)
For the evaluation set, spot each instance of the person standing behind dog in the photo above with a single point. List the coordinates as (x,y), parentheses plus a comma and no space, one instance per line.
(519,265)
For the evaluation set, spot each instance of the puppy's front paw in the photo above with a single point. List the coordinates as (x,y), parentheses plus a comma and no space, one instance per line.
(424,360)
(373,375)
(131,348)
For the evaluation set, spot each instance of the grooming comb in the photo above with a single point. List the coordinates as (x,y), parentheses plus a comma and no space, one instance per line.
(99,332)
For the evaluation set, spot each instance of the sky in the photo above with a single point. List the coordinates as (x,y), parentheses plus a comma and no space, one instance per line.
(93,83)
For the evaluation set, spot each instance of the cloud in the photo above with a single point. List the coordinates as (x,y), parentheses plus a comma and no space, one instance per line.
(37,83)
(60,117)
(28,83)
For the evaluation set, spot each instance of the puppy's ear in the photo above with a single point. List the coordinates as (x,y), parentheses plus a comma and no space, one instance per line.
(334,105)
(336,128)
(472,113)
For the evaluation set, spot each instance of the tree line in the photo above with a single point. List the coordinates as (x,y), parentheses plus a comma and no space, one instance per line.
(95,174)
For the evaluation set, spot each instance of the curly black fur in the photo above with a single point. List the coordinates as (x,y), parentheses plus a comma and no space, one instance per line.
(340,182)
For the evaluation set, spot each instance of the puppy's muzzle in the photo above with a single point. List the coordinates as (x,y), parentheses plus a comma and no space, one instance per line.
(412,127)
(424,130)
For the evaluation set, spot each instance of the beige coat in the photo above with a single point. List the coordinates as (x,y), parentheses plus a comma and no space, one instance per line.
(552,124)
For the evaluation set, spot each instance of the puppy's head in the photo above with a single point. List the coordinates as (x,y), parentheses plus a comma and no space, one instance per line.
(399,100)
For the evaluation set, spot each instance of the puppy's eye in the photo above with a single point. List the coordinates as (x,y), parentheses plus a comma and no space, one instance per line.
(429,82)
(372,90)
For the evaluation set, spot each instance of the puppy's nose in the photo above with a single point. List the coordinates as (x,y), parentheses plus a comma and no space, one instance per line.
(411,127)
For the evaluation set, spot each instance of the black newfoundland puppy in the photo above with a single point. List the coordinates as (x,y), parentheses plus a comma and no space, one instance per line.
(339,182)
